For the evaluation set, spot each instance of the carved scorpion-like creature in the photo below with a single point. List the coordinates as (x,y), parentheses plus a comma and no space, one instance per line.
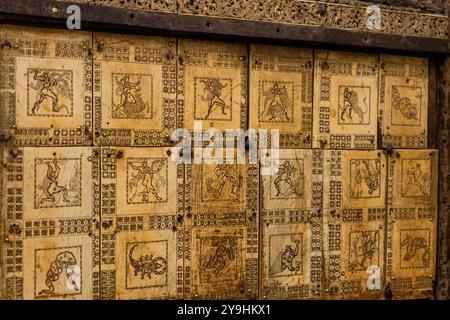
(147,265)
(62,262)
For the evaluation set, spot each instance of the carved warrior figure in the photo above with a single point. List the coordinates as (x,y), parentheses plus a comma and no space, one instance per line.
(286,182)
(363,250)
(131,104)
(285,259)
(413,245)
(213,88)
(222,255)
(49,86)
(351,105)
(145,181)
(417,180)
(276,104)
(51,185)
(63,262)
(371,176)
(147,265)
(223,175)
(404,105)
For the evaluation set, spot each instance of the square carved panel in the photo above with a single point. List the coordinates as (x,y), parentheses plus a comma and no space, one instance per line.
(345,100)
(281,82)
(404,101)
(354,223)
(212,85)
(46,87)
(142,223)
(134,90)
(50,213)
(412,223)
(221,232)
(291,226)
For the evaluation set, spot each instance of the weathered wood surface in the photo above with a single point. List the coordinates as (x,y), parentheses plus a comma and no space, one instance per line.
(316,22)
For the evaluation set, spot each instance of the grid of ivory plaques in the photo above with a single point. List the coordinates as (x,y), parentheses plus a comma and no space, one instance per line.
(93,207)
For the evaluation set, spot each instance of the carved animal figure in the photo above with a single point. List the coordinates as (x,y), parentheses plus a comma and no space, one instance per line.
(147,265)
(285,258)
(63,260)
(404,105)
(413,245)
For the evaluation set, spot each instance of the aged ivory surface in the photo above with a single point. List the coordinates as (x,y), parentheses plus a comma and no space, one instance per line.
(94,207)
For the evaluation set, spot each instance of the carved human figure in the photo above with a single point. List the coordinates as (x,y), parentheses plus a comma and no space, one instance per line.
(223,176)
(350,106)
(284,182)
(213,88)
(131,103)
(416,179)
(46,91)
(146,178)
(369,175)
(222,255)
(51,184)
(364,248)
(276,106)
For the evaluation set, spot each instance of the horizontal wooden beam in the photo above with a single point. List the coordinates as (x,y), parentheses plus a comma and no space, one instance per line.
(107,18)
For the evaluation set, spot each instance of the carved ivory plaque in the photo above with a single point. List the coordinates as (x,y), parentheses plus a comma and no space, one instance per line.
(412,220)
(46,87)
(134,89)
(221,250)
(281,93)
(142,230)
(212,85)
(291,227)
(404,101)
(354,223)
(51,198)
(345,100)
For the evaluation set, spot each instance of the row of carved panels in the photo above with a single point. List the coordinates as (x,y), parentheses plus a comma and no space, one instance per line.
(129,223)
(348,16)
(134,90)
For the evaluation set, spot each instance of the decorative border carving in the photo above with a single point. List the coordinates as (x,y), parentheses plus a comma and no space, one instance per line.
(319,13)
(300,12)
